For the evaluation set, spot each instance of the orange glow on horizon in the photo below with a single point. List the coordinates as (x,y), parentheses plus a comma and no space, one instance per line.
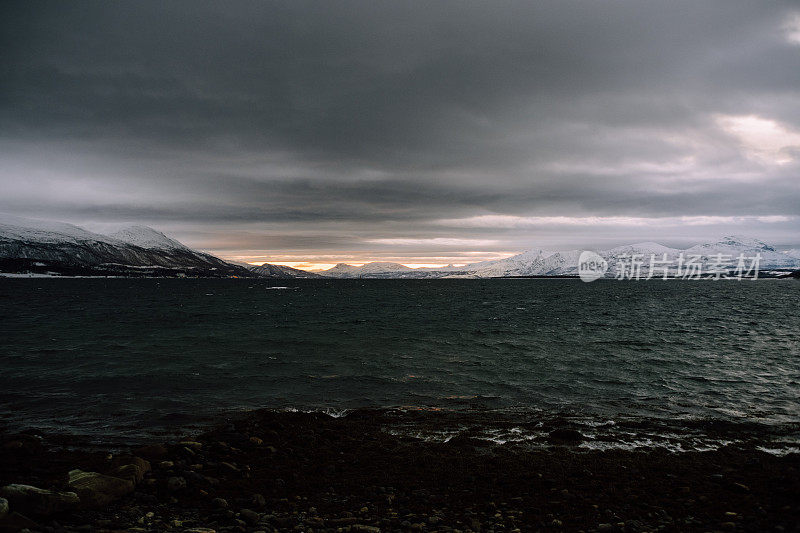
(326,266)
(318,262)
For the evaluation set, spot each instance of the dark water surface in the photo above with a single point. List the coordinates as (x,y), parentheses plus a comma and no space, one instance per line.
(125,356)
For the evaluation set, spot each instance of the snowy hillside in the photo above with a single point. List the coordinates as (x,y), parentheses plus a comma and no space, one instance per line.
(530,263)
(343,270)
(44,231)
(538,262)
(280,271)
(44,247)
(731,247)
(146,237)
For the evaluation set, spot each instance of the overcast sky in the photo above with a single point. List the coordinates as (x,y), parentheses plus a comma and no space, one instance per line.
(421,132)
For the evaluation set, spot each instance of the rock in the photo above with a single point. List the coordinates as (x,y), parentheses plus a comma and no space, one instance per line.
(3,507)
(142,464)
(130,472)
(176,483)
(33,500)
(341,521)
(97,490)
(250,516)
(315,522)
(27,444)
(189,451)
(259,500)
(565,435)
(230,466)
(153,452)
(220,503)
(363,528)
(18,522)
(196,446)
(195,478)
(166,465)
(256,441)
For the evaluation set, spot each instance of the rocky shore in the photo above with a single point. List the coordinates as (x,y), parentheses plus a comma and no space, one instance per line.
(278,471)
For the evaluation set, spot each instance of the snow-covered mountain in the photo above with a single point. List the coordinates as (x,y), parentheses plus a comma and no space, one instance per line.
(529,263)
(539,262)
(38,246)
(376,269)
(268,270)
(146,237)
(732,246)
(28,245)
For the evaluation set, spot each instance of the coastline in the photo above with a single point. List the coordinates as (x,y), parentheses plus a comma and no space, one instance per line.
(282,471)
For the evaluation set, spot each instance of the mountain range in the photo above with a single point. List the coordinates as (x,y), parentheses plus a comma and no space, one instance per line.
(55,248)
(539,262)
(42,247)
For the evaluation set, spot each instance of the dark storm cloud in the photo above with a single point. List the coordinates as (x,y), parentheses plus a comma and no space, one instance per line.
(362,120)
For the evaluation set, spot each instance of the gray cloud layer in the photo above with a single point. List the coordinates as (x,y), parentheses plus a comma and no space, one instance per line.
(282,128)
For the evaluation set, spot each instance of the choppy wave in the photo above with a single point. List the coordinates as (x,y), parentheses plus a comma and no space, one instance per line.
(146,357)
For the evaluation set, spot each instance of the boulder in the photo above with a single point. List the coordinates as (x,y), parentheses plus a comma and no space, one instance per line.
(152,452)
(129,472)
(18,522)
(33,500)
(132,468)
(97,490)
(3,507)
(24,444)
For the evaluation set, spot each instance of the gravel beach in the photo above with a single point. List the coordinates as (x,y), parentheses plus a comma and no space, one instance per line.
(285,471)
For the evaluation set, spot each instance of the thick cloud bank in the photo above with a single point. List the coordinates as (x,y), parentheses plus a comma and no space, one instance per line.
(412,131)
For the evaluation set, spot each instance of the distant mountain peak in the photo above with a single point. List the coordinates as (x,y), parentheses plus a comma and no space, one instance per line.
(741,240)
(147,237)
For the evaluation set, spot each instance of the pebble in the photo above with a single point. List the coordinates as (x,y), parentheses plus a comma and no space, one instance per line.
(176,483)
(250,516)
(230,466)
(220,503)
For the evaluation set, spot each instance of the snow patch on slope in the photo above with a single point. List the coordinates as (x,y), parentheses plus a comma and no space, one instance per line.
(146,237)
(45,231)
